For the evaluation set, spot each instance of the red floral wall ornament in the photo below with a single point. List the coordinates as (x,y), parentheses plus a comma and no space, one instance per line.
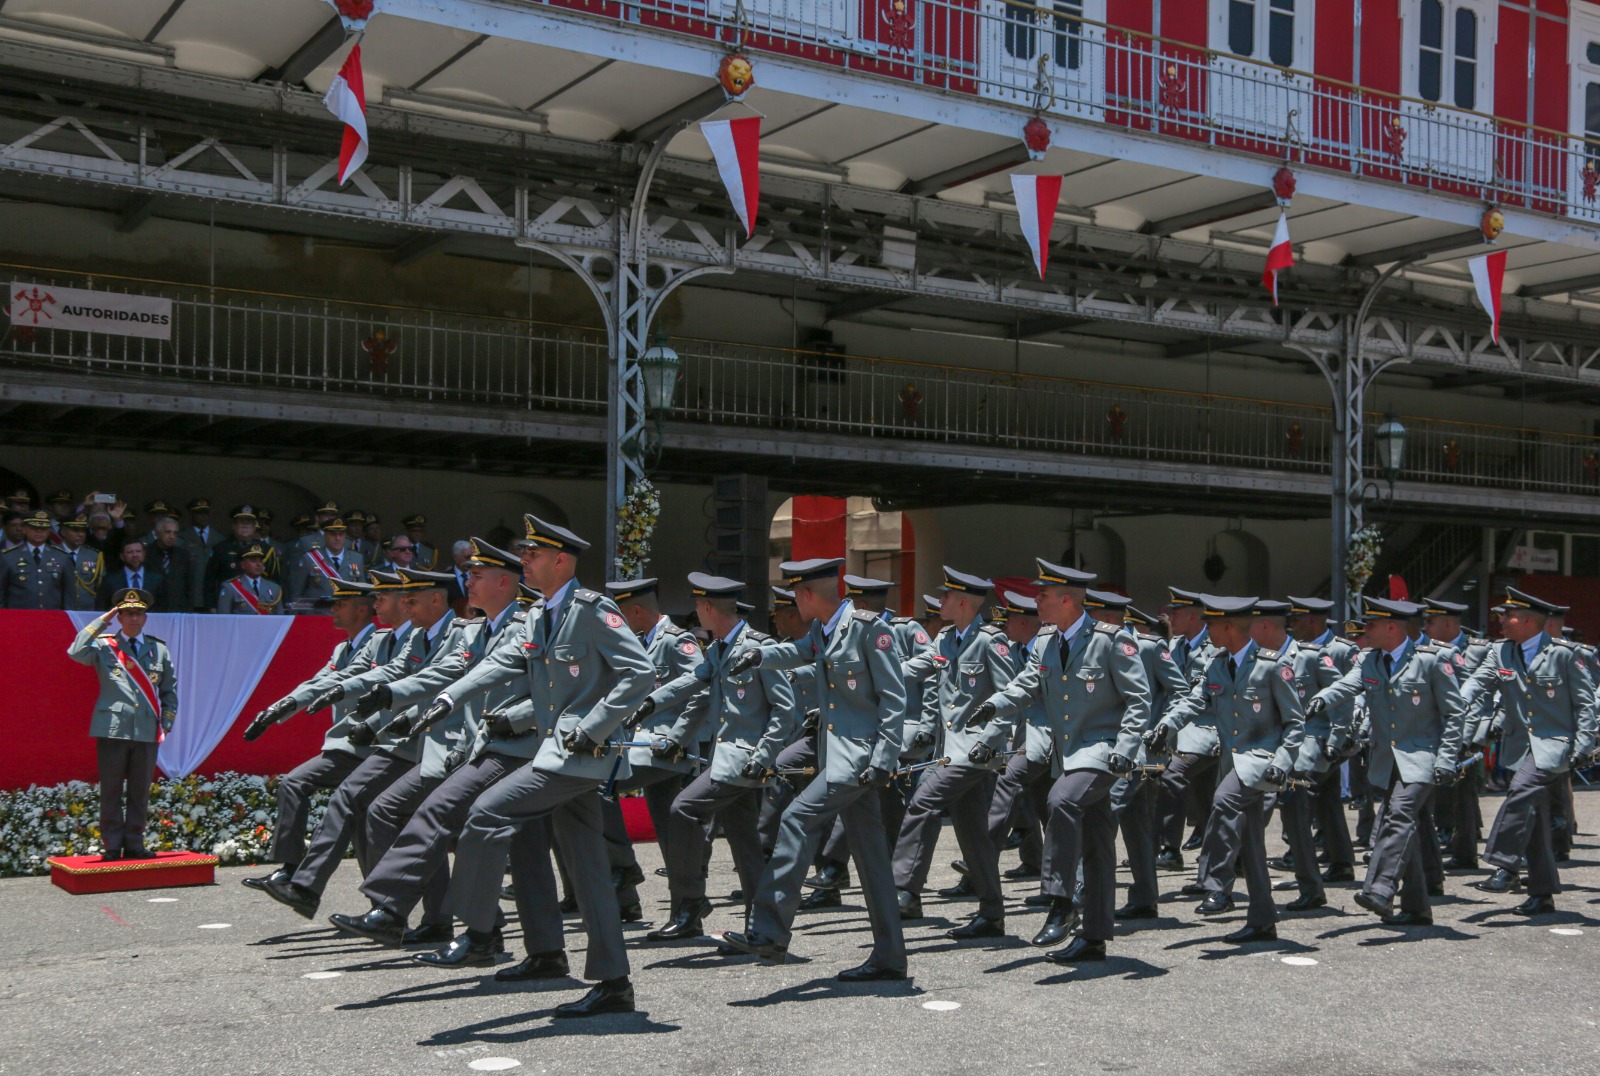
(900,26)
(1036,136)
(1283,185)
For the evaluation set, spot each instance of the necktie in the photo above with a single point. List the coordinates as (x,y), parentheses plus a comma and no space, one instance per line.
(336,564)
(1233,667)
(137,580)
(1388,664)
(38,557)
(427,644)
(255,585)
(133,648)
(722,650)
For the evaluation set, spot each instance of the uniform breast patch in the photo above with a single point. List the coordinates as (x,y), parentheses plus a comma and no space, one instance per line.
(1288,674)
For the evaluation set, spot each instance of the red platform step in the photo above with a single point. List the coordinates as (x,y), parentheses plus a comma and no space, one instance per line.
(91,874)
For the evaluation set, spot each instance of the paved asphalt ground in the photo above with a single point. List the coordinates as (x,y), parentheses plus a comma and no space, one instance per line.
(222,980)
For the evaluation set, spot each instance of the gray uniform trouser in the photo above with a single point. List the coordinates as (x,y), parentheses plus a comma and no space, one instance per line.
(1466,816)
(415,866)
(1397,846)
(1328,811)
(804,824)
(574,808)
(327,770)
(1021,784)
(1187,777)
(737,807)
(780,792)
(126,769)
(1133,802)
(1297,806)
(389,814)
(660,787)
(345,818)
(1237,831)
(1522,828)
(1427,836)
(963,792)
(892,803)
(1081,827)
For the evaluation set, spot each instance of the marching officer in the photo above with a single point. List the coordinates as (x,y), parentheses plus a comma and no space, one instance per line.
(353,606)
(1546,688)
(250,592)
(585,673)
(1095,729)
(861,708)
(751,714)
(137,705)
(34,574)
(1413,702)
(1191,775)
(971,660)
(790,626)
(88,566)
(1250,693)
(1308,624)
(1463,813)
(1023,786)
(312,573)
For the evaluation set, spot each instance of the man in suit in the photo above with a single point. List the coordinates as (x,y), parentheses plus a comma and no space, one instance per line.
(197,540)
(1413,703)
(173,560)
(585,672)
(311,575)
(1250,693)
(1546,687)
(35,575)
(352,611)
(133,573)
(861,708)
(1191,774)
(137,705)
(252,594)
(750,716)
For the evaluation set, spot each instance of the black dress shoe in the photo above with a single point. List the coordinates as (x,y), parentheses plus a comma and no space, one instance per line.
(111,855)
(1194,889)
(380,925)
(1038,900)
(1215,904)
(828,876)
(631,913)
(978,927)
(623,877)
(282,874)
(685,921)
(1014,840)
(613,995)
(1062,920)
(1306,904)
(1408,919)
(466,952)
(1285,885)
(1081,951)
(1194,841)
(1282,863)
(756,945)
(1170,859)
(1375,904)
(872,973)
(910,905)
(1251,934)
(137,853)
(551,965)
(821,898)
(1135,911)
(1436,890)
(963,888)
(568,905)
(1561,857)
(1340,872)
(428,934)
(508,892)
(1459,863)
(661,872)
(960,867)
(1021,873)
(1536,906)
(296,896)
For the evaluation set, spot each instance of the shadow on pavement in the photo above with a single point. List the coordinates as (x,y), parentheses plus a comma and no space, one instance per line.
(1112,967)
(829,987)
(503,1031)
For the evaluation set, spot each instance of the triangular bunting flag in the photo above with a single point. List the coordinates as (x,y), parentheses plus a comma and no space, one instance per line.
(1280,257)
(347,99)
(736,146)
(1037,198)
(1489,277)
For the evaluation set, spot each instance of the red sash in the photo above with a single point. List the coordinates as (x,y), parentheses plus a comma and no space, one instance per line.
(320,563)
(141,680)
(244,595)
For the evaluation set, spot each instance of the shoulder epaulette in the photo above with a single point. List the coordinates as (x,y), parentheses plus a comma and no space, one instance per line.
(382,631)
(862,614)
(1311,648)
(1346,641)
(1047,629)
(156,639)
(1270,655)
(902,620)
(1107,629)
(519,617)
(993,629)
(1568,643)
(469,620)
(1431,648)
(755,636)
(589,596)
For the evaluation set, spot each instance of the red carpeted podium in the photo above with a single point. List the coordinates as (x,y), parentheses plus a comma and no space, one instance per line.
(91,874)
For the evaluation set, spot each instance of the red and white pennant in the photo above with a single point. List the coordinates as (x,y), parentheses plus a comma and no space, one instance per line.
(1037,199)
(347,100)
(1489,278)
(1279,257)
(736,147)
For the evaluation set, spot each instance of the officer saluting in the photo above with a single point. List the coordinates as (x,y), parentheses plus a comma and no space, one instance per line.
(137,705)
(861,704)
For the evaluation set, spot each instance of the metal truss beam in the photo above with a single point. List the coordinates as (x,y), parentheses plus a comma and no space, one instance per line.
(1182,222)
(1420,249)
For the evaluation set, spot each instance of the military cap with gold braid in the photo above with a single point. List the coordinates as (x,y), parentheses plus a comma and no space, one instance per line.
(414,579)
(1104,599)
(526,595)
(1388,609)
(344,588)
(806,571)
(1516,599)
(1059,575)
(782,599)
(549,536)
(329,508)
(385,581)
(961,583)
(79,522)
(1184,599)
(1131,615)
(1268,607)
(159,508)
(418,520)
(243,511)
(862,584)
(1440,607)
(1217,607)
(931,606)
(133,599)
(255,551)
(37,518)
(1018,604)
(1309,606)
(627,589)
(702,585)
(335,524)
(485,555)
(60,496)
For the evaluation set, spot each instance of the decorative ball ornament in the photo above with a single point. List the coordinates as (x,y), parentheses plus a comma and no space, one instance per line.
(735,75)
(1036,136)
(354,13)
(1283,185)
(1492,224)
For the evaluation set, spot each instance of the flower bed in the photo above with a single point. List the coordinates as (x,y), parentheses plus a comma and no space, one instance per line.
(228,815)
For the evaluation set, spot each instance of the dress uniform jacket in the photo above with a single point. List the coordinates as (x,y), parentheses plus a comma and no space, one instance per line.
(1415,712)
(861,694)
(349,658)
(25,584)
(674,653)
(968,672)
(270,599)
(1553,699)
(123,711)
(413,656)
(1258,715)
(88,569)
(922,714)
(1033,725)
(803,681)
(1104,703)
(1310,676)
(473,641)
(754,711)
(224,565)
(590,674)
(1198,737)
(306,581)
(190,593)
(1166,680)
(176,566)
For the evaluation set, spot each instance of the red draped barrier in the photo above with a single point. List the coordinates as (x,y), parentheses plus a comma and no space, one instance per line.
(49,697)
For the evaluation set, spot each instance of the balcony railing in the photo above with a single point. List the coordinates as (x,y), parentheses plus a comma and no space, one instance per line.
(227,337)
(1051,60)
